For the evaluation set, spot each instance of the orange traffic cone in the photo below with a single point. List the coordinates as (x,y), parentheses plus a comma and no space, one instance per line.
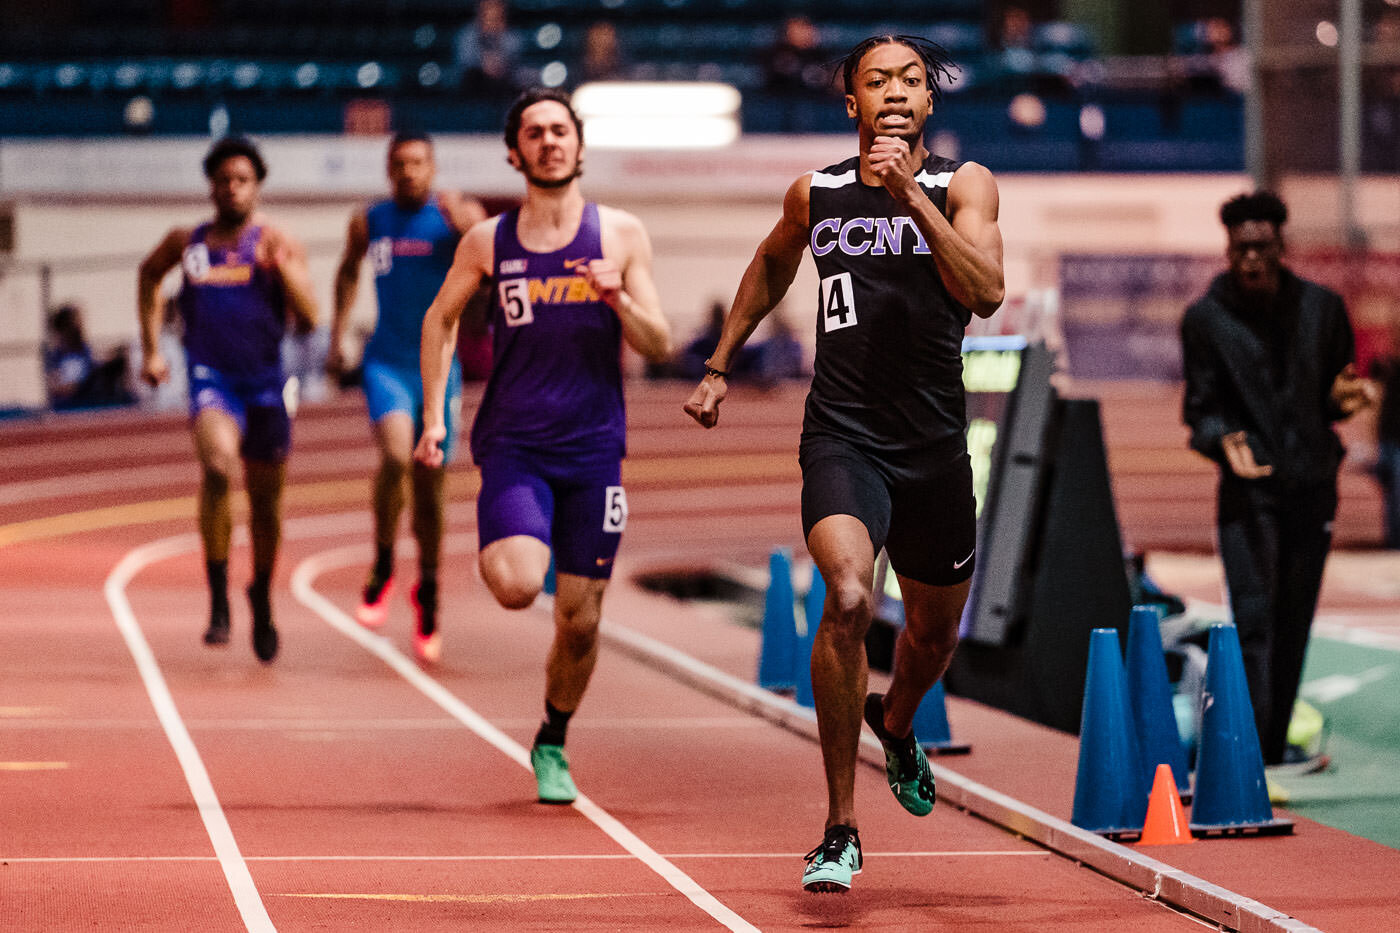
(1166,818)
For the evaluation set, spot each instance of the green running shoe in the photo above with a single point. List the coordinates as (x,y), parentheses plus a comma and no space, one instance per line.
(831,864)
(906,765)
(552,774)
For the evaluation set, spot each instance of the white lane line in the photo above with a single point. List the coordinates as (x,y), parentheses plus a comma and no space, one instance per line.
(1357,628)
(1336,628)
(303,579)
(349,726)
(240,881)
(563,857)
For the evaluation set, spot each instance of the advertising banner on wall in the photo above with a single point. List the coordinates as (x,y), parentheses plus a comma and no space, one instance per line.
(1121,313)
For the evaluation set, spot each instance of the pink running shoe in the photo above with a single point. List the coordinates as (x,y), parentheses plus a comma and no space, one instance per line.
(374,603)
(427,640)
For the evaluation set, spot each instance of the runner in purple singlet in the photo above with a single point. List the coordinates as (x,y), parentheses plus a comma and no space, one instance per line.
(243,279)
(571,281)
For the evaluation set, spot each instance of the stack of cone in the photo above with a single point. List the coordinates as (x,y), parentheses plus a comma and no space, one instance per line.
(1110,790)
(812,605)
(777,660)
(1166,823)
(1150,695)
(931,724)
(1231,795)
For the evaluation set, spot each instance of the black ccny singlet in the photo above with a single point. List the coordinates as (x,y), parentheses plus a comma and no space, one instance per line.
(888,372)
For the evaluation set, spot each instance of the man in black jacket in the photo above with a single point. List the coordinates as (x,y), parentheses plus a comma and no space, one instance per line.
(1270,364)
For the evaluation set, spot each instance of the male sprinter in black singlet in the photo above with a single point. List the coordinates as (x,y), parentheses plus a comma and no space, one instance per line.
(907,247)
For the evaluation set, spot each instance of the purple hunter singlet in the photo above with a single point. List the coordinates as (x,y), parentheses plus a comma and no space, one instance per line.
(234,310)
(556,384)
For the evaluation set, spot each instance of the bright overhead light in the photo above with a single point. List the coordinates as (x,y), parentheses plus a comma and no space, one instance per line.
(658,115)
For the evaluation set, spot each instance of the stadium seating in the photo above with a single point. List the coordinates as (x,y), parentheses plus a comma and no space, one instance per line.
(279,66)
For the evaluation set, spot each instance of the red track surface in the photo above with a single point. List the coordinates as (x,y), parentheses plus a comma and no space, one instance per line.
(349,789)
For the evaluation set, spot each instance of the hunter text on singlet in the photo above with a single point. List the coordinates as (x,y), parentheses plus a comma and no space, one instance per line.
(556,380)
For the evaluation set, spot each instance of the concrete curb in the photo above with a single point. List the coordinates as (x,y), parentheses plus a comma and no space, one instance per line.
(1155,879)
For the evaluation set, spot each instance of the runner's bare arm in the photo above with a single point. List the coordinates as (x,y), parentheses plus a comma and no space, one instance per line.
(470,267)
(966,244)
(288,257)
(166,255)
(626,283)
(462,211)
(765,282)
(347,287)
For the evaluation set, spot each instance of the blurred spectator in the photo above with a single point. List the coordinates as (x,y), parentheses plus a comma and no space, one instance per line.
(73,376)
(68,362)
(690,362)
(1381,98)
(1012,30)
(173,393)
(475,348)
(304,359)
(780,356)
(1228,60)
(602,58)
(795,62)
(1387,372)
(486,51)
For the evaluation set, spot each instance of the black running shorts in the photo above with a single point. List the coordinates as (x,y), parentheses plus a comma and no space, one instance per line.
(920,509)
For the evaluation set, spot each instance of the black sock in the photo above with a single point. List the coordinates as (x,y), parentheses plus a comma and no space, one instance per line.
(556,723)
(260,600)
(383,562)
(217,573)
(427,602)
(875,719)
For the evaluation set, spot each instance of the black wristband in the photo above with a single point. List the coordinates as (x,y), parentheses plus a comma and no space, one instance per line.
(711,371)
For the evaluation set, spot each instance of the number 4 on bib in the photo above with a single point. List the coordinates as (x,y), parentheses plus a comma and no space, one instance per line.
(838,302)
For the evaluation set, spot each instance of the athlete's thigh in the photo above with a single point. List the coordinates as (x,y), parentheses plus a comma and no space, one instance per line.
(388,389)
(933,612)
(933,526)
(267,436)
(837,479)
(515,499)
(217,435)
(394,434)
(218,416)
(589,517)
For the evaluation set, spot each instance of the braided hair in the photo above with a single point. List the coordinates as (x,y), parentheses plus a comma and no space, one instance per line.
(938,63)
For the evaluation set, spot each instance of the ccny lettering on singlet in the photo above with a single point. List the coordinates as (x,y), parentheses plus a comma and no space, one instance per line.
(877,236)
(859,236)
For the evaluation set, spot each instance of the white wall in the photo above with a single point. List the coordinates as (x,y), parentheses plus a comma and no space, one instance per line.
(85,217)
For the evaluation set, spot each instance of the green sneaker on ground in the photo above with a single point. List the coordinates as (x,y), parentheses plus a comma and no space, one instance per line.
(552,774)
(906,765)
(831,865)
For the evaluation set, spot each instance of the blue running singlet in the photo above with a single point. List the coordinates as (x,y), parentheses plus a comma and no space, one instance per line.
(410,252)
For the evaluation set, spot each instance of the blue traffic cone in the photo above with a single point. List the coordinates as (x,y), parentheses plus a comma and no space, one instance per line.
(551,582)
(1231,796)
(931,724)
(777,659)
(812,604)
(1150,695)
(1110,795)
